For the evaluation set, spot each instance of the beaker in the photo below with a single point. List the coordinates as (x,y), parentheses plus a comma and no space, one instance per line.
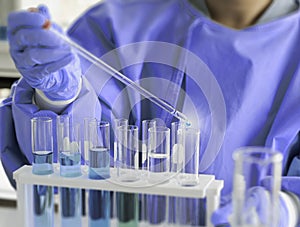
(256,187)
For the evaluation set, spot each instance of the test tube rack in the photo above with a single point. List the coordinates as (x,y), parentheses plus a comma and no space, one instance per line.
(208,188)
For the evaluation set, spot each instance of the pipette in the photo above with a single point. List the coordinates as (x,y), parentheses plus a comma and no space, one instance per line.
(121,77)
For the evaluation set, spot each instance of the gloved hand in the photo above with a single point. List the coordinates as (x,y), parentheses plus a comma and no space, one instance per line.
(255,211)
(45,61)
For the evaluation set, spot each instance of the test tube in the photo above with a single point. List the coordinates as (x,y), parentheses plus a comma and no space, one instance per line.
(99,169)
(127,171)
(86,122)
(186,150)
(257,181)
(158,154)
(117,123)
(158,172)
(42,149)
(127,156)
(176,148)
(146,124)
(188,156)
(69,147)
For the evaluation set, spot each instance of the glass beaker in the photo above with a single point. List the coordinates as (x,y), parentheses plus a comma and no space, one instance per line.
(256,186)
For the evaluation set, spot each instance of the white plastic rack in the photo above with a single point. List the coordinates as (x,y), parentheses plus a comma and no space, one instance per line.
(208,188)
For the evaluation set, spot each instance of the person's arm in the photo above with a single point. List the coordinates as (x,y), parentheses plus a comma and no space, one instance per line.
(45,61)
(51,84)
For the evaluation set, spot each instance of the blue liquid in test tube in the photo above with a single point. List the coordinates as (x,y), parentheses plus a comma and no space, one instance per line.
(99,201)
(99,169)
(43,195)
(69,140)
(42,151)
(70,197)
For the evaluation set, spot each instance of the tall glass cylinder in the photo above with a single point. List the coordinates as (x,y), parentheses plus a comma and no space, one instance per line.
(99,169)
(257,181)
(86,122)
(188,156)
(117,123)
(127,171)
(128,153)
(42,150)
(158,154)
(69,148)
(158,172)
(146,125)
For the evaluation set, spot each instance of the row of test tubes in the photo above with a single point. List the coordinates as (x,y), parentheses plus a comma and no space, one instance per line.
(163,151)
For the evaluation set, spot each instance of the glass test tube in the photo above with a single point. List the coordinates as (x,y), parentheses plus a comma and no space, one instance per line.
(69,148)
(127,171)
(186,153)
(257,182)
(128,153)
(86,122)
(174,166)
(158,172)
(158,154)
(42,149)
(146,124)
(188,156)
(117,123)
(99,169)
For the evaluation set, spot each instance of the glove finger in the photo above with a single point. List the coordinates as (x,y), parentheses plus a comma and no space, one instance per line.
(221,216)
(39,75)
(39,56)
(35,38)
(24,19)
(44,11)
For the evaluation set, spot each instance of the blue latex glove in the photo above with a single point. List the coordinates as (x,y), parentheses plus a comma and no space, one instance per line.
(45,61)
(257,205)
